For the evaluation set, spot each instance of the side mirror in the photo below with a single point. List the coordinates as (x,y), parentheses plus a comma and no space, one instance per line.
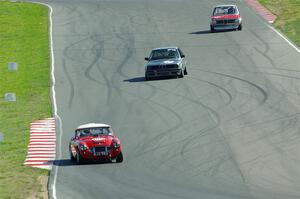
(183,56)
(147,58)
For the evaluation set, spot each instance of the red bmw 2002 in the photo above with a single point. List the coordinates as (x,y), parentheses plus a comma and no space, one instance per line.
(226,17)
(94,142)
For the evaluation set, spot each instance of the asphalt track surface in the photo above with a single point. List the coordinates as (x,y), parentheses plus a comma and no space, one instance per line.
(228,130)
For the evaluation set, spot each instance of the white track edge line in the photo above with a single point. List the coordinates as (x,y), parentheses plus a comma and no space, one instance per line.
(271,27)
(284,37)
(53,95)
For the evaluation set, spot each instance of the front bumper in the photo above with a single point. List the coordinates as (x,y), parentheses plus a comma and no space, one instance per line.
(225,27)
(92,156)
(226,24)
(162,73)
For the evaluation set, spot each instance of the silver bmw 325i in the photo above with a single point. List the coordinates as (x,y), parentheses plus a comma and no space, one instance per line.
(165,62)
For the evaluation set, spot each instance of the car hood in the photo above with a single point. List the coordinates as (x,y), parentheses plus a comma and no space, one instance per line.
(163,62)
(231,16)
(92,141)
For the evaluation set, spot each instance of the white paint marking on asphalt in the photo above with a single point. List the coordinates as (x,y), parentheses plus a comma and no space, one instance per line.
(41,137)
(54,96)
(44,167)
(41,152)
(36,155)
(41,131)
(283,37)
(32,140)
(30,159)
(40,149)
(41,145)
(42,134)
(38,163)
(272,28)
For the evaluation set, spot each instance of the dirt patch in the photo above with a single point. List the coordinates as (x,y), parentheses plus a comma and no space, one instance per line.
(40,191)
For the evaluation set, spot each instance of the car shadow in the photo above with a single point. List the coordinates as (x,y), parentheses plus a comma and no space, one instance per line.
(135,79)
(203,32)
(142,79)
(68,162)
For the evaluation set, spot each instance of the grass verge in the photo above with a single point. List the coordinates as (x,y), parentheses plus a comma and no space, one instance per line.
(23,39)
(288,17)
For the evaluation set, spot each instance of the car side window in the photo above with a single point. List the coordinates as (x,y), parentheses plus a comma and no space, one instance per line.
(77,133)
(180,52)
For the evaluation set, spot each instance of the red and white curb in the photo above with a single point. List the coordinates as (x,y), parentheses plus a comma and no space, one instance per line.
(41,148)
(266,14)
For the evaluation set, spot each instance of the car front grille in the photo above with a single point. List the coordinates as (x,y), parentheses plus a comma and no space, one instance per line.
(163,66)
(101,149)
(225,21)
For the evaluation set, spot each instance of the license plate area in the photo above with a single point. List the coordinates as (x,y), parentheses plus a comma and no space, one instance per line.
(103,153)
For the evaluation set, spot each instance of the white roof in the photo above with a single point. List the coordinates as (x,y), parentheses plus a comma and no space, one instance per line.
(172,47)
(226,5)
(92,125)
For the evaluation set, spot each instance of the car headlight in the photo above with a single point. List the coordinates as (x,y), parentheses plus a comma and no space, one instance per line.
(116,145)
(82,147)
(238,20)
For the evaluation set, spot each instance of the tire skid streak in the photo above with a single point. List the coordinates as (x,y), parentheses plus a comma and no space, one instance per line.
(185,123)
(230,98)
(71,95)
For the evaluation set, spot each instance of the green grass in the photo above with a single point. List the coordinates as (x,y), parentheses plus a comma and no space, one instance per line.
(23,39)
(288,17)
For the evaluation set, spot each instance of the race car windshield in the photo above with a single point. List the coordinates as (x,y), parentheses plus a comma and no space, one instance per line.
(96,131)
(225,10)
(170,53)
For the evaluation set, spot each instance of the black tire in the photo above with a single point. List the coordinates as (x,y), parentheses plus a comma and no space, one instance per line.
(119,158)
(240,27)
(146,78)
(212,29)
(71,155)
(79,158)
(185,71)
(181,74)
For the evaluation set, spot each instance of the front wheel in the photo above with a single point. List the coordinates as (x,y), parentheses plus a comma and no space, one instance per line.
(240,27)
(119,158)
(147,78)
(71,155)
(79,158)
(185,71)
(212,29)
(181,74)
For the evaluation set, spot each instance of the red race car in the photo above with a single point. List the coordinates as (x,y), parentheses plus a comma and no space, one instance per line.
(226,17)
(94,142)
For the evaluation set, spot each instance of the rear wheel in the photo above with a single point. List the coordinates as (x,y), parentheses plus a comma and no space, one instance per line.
(119,158)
